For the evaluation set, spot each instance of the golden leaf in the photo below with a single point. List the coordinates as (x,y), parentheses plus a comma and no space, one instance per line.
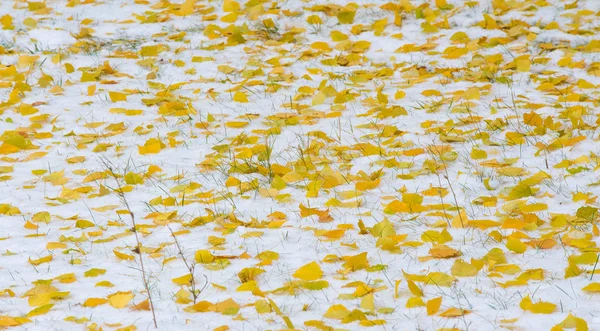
(311,271)
(454,312)
(443,252)
(120,299)
(433,305)
(93,302)
(41,260)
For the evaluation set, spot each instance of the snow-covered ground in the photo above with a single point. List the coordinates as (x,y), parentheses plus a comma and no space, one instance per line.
(313,165)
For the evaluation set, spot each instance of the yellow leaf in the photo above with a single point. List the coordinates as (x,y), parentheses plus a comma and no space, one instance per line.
(368,302)
(322,46)
(460,221)
(454,52)
(414,289)
(440,279)
(104,283)
(229,18)
(532,118)
(7,24)
(535,274)
(7,321)
(183,280)
(226,69)
(592,287)
(489,22)
(40,310)
(315,285)
(346,16)
(152,146)
(200,307)
(268,255)
(240,97)
(534,207)
(415,301)
(521,190)
(94,176)
(76,159)
(144,305)
(311,271)
(543,308)
(454,312)
(433,305)
(132,178)
(523,63)
(26,60)
(120,299)
(187,8)
(443,252)
(318,99)
(412,198)
(183,296)
(571,322)
(94,272)
(252,234)
(357,262)
(84,224)
(441,4)
(314,20)
(204,256)
(336,312)
(123,256)
(66,278)
(249,274)
(537,308)
(383,229)
(41,217)
(516,245)
(216,241)
(262,306)
(41,260)
(477,154)
(227,307)
(396,286)
(39,299)
(55,245)
(117,96)
(334,234)
(472,94)
(463,269)
(572,270)
(515,138)
(56,178)
(250,286)
(371,323)
(230,6)
(236,124)
(93,302)
(69,68)
(151,50)
(399,94)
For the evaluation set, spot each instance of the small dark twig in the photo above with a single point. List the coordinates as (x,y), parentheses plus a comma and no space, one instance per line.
(138,248)
(191,268)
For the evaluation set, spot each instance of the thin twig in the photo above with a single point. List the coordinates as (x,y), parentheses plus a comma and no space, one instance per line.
(447,177)
(138,248)
(191,269)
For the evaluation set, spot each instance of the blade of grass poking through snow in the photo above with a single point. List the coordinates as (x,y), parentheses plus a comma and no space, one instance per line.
(595,265)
